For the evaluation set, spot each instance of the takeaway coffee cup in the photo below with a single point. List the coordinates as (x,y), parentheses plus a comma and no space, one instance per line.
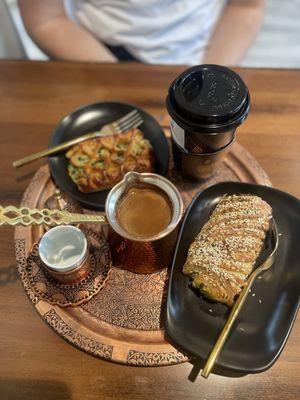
(206,104)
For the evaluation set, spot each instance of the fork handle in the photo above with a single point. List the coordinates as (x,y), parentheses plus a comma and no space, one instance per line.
(53,150)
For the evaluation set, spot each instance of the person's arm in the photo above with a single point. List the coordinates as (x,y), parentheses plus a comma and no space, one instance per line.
(235,32)
(60,38)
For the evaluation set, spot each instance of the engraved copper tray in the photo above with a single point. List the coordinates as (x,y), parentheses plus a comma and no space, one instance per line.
(124,321)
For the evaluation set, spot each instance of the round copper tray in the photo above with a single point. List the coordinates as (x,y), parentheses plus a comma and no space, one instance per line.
(123,322)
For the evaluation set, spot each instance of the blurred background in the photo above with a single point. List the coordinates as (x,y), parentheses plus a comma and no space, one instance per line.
(277,45)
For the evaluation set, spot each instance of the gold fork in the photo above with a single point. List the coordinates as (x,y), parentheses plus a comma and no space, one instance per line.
(128,121)
(238,305)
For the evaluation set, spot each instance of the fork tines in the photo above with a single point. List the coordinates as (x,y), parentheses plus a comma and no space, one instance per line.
(129,121)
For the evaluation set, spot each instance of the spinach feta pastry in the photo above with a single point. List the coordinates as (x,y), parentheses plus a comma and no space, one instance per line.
(100,163)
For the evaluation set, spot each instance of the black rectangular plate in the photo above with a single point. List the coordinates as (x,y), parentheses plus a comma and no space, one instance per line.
(193,324)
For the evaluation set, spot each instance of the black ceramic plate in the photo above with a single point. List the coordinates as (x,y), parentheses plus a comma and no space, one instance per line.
(258,336)
(90,118)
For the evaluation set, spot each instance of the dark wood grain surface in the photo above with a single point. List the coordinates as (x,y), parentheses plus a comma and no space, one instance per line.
(35,363)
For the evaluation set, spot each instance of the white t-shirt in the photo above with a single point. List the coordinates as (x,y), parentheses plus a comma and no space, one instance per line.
(154,31)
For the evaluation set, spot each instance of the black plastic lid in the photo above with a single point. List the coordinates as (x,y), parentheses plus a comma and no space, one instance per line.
(208,98)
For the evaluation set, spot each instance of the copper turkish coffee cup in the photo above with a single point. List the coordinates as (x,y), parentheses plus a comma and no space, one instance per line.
(64,253)
(206,104)
(149,254)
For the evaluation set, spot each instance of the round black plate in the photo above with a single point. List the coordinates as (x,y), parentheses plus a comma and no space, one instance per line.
(90,118)
(262,328)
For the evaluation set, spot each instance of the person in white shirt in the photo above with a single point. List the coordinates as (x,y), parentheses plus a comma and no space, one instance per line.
(151,31)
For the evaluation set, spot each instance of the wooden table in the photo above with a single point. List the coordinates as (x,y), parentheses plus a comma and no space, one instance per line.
(35,363)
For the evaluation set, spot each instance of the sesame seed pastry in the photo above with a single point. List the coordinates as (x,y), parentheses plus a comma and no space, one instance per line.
(224,252)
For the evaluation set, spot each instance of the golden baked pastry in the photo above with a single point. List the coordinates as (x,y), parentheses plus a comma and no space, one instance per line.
(100,163)
(224,252)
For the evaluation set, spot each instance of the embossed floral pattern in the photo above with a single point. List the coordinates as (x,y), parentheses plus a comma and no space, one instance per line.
(132,301)
(89,345)
(155,359)
(22,268)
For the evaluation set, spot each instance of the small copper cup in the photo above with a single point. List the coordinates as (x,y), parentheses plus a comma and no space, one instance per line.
(143,255)
(64,253)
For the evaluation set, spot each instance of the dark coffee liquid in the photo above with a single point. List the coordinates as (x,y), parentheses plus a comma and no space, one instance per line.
(144,212)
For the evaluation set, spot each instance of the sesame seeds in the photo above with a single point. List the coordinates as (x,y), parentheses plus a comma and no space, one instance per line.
(225,250)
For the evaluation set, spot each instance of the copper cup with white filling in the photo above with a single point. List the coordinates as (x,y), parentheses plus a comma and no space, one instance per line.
(64,253)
